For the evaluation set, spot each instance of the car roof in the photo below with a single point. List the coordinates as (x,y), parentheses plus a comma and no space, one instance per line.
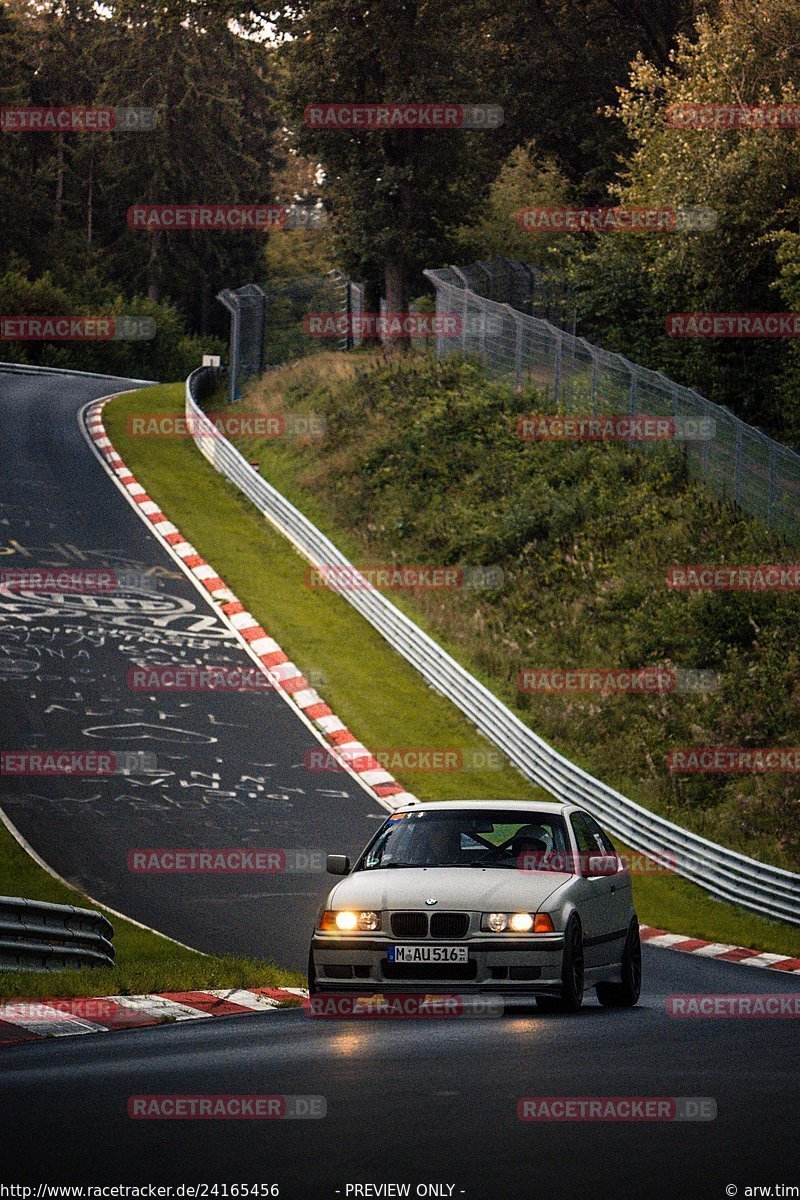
(531,806)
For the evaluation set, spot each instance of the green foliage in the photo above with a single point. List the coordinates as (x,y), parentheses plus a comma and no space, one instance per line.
(788,287)
(555,64)
(526,179)
(422,464)
(172,354)
(396,195)
(629,282)
(64,198)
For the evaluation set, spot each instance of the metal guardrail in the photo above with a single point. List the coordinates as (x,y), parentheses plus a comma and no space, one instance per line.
(724,873)
(37,936)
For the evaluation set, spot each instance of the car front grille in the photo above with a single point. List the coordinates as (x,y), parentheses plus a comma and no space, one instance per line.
(449,925)
(442,925)
(410,924)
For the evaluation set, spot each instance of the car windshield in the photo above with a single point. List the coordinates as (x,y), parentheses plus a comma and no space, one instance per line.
(469,838)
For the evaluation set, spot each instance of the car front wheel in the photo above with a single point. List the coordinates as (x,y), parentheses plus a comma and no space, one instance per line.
(626,993)
(571,996)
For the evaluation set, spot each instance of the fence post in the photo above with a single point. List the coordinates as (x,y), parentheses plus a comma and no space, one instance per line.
(595,378)
(634,404)
(231,301)
(737,486)
(517,319)
(557,375)
(489,275)
(467,289)
(773,471)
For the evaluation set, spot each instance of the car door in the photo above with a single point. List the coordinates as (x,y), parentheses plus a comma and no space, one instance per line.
(597,893)
(619,901)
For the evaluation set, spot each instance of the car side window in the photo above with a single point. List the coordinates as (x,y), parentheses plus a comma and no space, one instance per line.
(583,834)
(602,840)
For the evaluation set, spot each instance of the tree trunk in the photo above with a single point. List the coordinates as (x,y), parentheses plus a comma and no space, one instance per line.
(154,266)
(89,202)
(59,176)
(205,309)
(396,295)
(372,304)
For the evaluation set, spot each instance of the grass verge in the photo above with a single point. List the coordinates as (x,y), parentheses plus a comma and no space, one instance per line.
(381,698)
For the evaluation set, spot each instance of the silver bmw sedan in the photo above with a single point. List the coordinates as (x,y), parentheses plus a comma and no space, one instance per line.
(507,897)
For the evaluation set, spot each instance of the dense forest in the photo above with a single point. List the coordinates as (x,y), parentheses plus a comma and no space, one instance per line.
(585,87)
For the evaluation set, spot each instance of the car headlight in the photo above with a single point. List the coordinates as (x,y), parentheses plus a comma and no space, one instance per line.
(521,922)
(345,920)
(496,922)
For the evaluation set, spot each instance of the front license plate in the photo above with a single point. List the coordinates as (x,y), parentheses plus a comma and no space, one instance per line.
(427,954)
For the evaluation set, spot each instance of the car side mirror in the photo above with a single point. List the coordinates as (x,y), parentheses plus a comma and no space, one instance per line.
(337,864)
(602,864)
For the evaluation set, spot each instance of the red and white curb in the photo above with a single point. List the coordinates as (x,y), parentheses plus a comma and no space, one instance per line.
(734,954)
(33,1020)
(341,744)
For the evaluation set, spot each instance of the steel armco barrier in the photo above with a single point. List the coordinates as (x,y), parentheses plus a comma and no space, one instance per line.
(724,873)
(36,936)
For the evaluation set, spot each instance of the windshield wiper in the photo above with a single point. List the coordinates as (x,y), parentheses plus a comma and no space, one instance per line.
(500,862)
(388,866)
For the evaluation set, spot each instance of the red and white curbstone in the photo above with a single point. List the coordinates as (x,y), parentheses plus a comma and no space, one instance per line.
(32,1020)
(342,745)
(734,954)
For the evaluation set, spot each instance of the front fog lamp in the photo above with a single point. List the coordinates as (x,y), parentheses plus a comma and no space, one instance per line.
(347,921)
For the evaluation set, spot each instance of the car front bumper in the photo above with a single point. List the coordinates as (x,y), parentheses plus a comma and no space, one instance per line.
(506,965)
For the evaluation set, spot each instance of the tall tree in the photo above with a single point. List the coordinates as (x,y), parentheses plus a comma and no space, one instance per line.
(397,195)
(750,177)
(213,141)
(559,63)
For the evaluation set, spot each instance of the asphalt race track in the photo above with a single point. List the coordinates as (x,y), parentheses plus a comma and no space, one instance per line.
(231,767)
(418,1102)
(425,1100)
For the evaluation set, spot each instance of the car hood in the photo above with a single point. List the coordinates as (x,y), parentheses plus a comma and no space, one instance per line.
(471,889)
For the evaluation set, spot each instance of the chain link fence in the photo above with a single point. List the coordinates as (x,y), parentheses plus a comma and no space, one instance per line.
(526,288)
(269,322)
(499,328)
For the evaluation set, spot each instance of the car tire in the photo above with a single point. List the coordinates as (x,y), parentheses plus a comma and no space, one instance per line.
(625,994)
(312,976)
(572,973)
